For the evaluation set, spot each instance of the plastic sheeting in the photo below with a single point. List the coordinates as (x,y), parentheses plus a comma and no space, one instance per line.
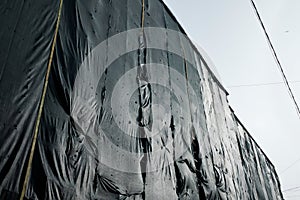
(132,111)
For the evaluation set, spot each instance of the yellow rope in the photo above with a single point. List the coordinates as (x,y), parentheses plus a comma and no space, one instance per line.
(41,104)
(143,13)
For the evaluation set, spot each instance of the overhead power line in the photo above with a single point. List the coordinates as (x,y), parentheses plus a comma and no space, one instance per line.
(260,84)
(277,60)
(291,165)
(293,197)
(292,189)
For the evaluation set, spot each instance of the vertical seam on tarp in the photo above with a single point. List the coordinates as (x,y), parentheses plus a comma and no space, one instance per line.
(143,36)
(187,79)
(41,105)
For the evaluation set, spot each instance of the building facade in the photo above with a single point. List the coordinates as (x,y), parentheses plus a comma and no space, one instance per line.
(130,109)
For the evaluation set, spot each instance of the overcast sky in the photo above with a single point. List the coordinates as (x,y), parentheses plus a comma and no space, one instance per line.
(232,37)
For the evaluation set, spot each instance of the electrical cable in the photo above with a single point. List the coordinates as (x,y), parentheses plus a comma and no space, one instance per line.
(277,60)
(296,196)
(259,84)
(292,189)
(294,163)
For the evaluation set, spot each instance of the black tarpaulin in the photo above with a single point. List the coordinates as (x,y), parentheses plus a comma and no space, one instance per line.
(132,111)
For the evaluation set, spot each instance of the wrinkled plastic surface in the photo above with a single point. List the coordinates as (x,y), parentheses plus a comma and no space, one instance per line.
(130,112)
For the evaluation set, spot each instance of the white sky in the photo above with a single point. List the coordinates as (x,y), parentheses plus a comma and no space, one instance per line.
(232,37)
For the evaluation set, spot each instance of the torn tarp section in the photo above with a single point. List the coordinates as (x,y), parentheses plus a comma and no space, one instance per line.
(132,110)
